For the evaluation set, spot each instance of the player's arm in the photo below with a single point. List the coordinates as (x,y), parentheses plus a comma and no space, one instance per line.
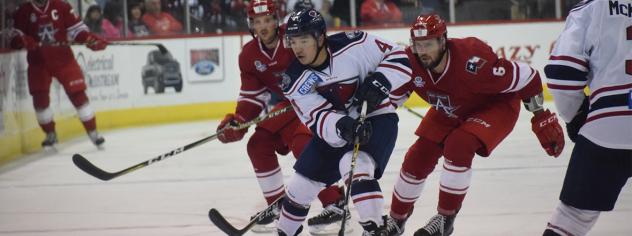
(389,70)
(313,109)
(567,72)
(18,37)
(252,100)
(504,76)
(78,31)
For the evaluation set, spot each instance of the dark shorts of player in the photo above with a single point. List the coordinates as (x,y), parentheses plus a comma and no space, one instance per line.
(595,176)
(319,161)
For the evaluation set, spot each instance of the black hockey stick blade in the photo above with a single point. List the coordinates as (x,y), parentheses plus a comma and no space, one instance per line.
(91,169)
(162,48)
(225,226)
(230,230)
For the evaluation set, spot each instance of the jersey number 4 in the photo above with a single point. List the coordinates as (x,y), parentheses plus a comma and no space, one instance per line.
(383,46)
(628,63)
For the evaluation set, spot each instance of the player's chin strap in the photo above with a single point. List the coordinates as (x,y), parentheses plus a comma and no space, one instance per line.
(354,158)
(318,48)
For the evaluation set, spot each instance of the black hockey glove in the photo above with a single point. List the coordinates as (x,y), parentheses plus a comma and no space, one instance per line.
(374,89)
(572,128)
(348,128)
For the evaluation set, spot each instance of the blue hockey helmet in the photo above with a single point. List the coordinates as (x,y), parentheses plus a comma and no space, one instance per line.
(307,21)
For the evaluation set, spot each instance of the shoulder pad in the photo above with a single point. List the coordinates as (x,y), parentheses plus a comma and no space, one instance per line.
(340,40)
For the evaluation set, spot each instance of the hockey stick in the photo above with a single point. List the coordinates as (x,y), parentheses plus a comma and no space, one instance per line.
(221,222)
(99,173)
(354,158)
(414,112)
(161,47)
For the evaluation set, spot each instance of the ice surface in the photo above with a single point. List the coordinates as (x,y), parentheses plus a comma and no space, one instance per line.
(512,193)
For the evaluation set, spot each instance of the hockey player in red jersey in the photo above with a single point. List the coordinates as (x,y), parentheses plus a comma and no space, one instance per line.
(475,98)
(262,63)
(44,28)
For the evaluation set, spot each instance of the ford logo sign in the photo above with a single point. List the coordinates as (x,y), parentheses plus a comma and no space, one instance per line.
(204,67)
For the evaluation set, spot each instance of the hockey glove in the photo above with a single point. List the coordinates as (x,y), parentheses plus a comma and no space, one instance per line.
(549,132)
(228,130)
(92,41)
(23,41)
(349,128)
(374,89)
(573,127)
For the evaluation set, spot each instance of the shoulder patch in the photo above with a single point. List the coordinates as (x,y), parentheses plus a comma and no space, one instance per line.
(341,40)
(473,64)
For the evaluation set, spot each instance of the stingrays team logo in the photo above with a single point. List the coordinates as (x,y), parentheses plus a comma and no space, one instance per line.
(474,63)
(419,82)
(260,66)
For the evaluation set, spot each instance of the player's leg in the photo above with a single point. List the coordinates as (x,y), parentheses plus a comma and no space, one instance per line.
(296,136)
(71,77)
(316,168)
(261,148)
(39,80)
(419,162)
(373,157)
(480,133)
(593,181)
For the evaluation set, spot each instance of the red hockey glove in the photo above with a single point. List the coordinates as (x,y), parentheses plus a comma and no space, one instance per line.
(95,43)
(227,127)
(549,132)
(92,41)
(23,41)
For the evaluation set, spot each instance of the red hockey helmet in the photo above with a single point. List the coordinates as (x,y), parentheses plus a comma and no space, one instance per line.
(261,8)
(427,27)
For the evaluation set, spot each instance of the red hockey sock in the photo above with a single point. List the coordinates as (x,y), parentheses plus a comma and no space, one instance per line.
(330,195)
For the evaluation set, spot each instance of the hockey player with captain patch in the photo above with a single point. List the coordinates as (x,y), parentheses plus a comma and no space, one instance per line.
(475,98)
(262,63)
(594,50)
(45,28)
(330,79)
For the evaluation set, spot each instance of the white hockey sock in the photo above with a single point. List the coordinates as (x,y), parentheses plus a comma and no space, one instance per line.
(455,179)
(568,220)
(407,190)
(271,182)
(301,191)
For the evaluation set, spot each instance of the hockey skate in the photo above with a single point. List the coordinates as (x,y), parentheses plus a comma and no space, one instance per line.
(96,139)
(50,141)
(438,225)
(267,224)
(329,220)
(394,227)
(371,229)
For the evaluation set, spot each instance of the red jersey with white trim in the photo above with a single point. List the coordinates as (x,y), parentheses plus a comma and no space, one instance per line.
(53,23)
(474,76)
(261,74)
(595,50)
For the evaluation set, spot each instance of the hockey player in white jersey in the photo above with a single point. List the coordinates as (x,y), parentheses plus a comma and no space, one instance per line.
(330,78)
(594,50)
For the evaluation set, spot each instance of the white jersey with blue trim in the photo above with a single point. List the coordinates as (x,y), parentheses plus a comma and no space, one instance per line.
(595,50)
(321,96)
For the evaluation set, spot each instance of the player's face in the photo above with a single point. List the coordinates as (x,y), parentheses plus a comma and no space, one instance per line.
(305,48)
(428,51)
(265,27)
